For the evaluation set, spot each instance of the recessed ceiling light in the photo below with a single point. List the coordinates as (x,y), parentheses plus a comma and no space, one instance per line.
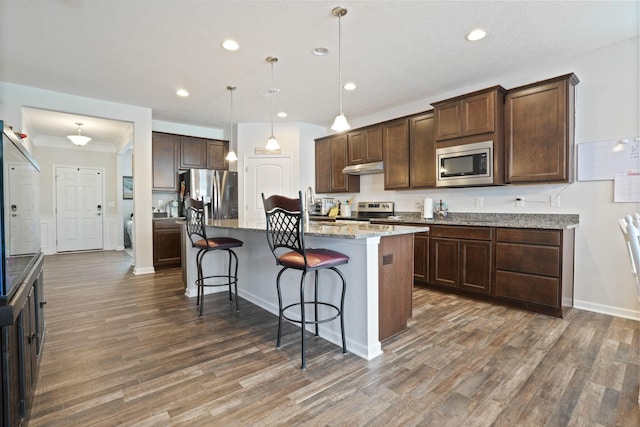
(476,34)
(181,92)
(230,45)
(282,114)
(320,51)
(349,86)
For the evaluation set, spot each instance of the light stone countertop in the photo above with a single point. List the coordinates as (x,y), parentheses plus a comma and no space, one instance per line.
(339,229)
(508,220)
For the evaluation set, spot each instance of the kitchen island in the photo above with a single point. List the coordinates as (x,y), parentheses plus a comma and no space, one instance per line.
(379,276)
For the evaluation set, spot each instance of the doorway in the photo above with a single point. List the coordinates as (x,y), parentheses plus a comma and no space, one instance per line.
(268,175)
(79,208)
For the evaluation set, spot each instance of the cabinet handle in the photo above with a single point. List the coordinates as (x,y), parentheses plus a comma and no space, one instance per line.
(31,338)
(42,303)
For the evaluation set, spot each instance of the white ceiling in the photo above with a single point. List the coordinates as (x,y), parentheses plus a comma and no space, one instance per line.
(397,52)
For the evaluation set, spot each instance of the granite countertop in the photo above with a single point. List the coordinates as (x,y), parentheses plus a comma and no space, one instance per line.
(509,220)
(165,218)
(338,229)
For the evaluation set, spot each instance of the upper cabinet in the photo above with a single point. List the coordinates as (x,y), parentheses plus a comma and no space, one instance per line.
(365,145)
(216,157)
(422,151)
(476,113)
(331,158)
(164,161)
(539,131)
(172,152)
(395,151)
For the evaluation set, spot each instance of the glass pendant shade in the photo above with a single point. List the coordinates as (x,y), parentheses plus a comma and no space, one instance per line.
(79,139)
(272,144)
(340,124)
(231,156)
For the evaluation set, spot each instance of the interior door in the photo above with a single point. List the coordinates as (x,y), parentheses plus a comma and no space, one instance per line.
(23,210)
(268,175)
(79,208)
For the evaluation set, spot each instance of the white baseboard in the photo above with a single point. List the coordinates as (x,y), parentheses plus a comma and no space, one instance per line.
(607,309)
(148,270)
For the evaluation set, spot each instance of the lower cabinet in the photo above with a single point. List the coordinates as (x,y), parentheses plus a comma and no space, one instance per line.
(395,284)
(535,268)
(22,333)
(166,244)
(461,257)
(421,257)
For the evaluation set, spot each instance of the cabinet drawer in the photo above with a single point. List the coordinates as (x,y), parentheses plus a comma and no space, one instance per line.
(535,237)
(462,232)
(165,224)
(528,288)
(543,260)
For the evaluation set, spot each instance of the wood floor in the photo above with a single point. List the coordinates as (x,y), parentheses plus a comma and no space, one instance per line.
(131,350)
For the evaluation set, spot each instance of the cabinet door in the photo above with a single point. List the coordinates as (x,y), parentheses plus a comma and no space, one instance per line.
(395,150)
(443,266)
(164,162)
(539,133)
(166,244)
(216,154)
(475,266)
(373,144)
(422,159)
(448,120)
(421,257)
(339,181)
(192,153)
(323,165)
(355,143)
(478,114)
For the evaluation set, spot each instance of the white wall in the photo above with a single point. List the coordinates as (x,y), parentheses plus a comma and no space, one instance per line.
(607,108)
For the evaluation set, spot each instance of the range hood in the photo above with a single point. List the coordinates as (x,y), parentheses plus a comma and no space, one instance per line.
(364,168)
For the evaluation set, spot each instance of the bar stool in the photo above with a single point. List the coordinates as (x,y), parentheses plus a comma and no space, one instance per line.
(285,235)
(198,236)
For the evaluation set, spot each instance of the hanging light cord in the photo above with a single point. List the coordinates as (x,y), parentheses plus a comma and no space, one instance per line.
(340,60)
(231,109)
(273,93)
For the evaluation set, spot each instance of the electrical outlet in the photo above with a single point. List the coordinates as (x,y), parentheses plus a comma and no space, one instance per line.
(554,201)
(520,201)
(479,202)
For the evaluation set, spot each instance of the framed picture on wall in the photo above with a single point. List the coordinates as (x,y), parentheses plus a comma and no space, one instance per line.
(127,187)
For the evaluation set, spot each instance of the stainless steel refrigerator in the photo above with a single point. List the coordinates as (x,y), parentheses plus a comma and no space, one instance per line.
(217,188)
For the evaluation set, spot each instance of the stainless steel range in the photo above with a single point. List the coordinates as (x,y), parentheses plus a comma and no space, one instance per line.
(370,210)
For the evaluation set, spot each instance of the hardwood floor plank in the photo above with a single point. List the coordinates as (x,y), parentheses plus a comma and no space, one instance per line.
(131,350)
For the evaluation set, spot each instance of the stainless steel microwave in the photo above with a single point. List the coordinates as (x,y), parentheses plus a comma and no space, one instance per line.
(465,165)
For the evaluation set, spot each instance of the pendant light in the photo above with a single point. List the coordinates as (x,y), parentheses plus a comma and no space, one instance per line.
(272,143)
(340,124)
(79,139)
(231,155)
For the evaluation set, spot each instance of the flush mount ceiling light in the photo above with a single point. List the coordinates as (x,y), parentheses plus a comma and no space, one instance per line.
(79,139)
(477,34)
(231,156)
(340,123)
(272,143)
(182,92)
(320,51)
(282,114)
(349,86)
(231,45)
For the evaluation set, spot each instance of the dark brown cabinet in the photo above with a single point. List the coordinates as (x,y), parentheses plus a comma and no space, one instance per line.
(539,131)
(166,244)
(216,154)
(461,257)
(395,154)
(365,145)
(395,284)
(468,115)
(164,161)
(422,151)
(421,257)
(535,268)
(331,159)
(192,153)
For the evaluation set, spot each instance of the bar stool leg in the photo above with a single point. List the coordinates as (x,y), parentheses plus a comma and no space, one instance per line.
(315,301)
(344,289)
(279,309)
(235,278)
(303,323)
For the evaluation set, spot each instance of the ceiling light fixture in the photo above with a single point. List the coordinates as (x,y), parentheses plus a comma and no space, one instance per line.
(282,114)
(79,139)
(340,123)
(272,143)
(231,45)
(231,155)
(477,34)
(349,86)
(182,92)
(320,51)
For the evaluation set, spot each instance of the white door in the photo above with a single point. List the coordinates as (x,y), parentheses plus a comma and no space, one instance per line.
(79,208)
(268,175)
(23,209)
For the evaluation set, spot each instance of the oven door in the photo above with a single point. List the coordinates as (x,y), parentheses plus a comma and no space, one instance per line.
(465,165)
